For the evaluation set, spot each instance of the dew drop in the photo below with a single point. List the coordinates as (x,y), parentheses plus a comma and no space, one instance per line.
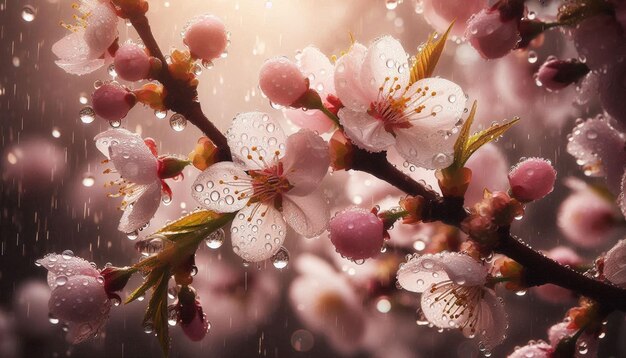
(281,258)
(215,239)
(28,13)
(87,115)
(178,122)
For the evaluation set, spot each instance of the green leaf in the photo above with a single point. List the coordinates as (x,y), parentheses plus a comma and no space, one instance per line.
(189,222)
(426,60)
(157,314)
(149,282)
(461,141)
(481,138)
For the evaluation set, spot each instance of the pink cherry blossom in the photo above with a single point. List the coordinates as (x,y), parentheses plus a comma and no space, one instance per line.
(599,40)
(615,264)
(132,63)
(206,37)
(440,14)
(112,101)
(281,81)
(612,80)
(315,66)
(357,234)
(491,35)
(586,218)
(454,295)
(588,341)
(599,149)
(621,200)
(555,74)
(83,50)
(382,110)
(78,297)
(532,179)
(141,175)
(326,303)
(272,183)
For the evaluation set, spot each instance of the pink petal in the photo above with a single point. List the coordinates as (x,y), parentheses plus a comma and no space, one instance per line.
(586,219)
(535,350)
(421,272)
(65,265)
(310,119)
(215,188)
(385,60)
(438,311)
(440,14)
(365,131)
(256,237)
(101,29)
(309,264)
(142,209)
(532,179)
(495,179)
(615,264)
(206,37)
(428,151)
(131,157)
(444,103)
(463,269)
(347,79)
(73,54)
(305,162)
(621,200)
(318,68)
(80,332)
(307,215)
(80,299)
(491,323)
(252,130)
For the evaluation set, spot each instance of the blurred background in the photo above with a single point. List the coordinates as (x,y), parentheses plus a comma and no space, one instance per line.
(52,193)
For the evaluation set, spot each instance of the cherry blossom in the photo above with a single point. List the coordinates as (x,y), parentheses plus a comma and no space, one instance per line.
(357,234)
(206,37)
(272,183)
(141,175)
(492,34)
(132,63)
(112,102)
(439,14)
(532,179)
(615,264)
(78,297)
(455,295)
(383,109)
(281,81)
(586,344)
(83,50)
(538,349)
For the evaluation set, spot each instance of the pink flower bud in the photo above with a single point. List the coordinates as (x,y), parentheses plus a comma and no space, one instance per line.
(112,101)
(491,35)
(532,179)
(557,74)
(206,37)
(281,81)
(192,319)
(357,234)
(131,62)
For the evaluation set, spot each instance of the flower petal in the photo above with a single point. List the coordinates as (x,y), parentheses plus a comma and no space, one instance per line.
(365,131)
(429,151)
(101,30)
(535,350)
(317,67)
(444,309)
(216,188)
(129,154)
(66,265)
(307,215)
(463,269)
(81,299)
(256,237)
(80,332)
(421,272)
(305,162)
(73,54)
(347,79)
(385,60)
(443,104)
(255,138)
(312,119)
(491,321)
(615,264)
(142,209)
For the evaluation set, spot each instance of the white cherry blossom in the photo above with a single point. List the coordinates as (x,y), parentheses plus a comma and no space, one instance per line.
(78,297)
(455,295)
(615,264)
(383,110)
(84,49)
(272,183)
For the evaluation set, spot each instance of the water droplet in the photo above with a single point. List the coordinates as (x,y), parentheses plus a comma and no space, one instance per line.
(53,319)
(281,258)
(111,70)
(133,235)
(391,4)
(390,63)
(87,115)
(215,239)
(61,280)
(28,13)
(116,123)
(160,114)
(56,133)
(532,57)
(178,122)
(451,98)
(67,254)
(302,340)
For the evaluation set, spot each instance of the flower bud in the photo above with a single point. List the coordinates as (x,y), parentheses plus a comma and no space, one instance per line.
(170,167)
(341,151)
(190,315)
(206,37)
(116,278)
(282,82)
(357,234)
(112,101)
(557,74)
(532,179)
(491,34)
(132,63)
(204,154)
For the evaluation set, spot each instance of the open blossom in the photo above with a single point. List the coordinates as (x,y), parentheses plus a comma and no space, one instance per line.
(614,268)
(78,297)
(272,183)
(585,346)
(455,295)
(383,109)
(84,49)
(315,66)
(142,175)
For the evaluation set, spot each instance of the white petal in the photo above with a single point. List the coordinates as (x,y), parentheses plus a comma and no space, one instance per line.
(307,215)
(64,265)
(101,29)
(443,104)
(347,79)
(428,151)
(491,321)
(615,264)
(385,59)
(129,154)
(80,332)
(142,209)
(421,272)
(73,53)
(81,299)
(365,131)
(317,67)
(80,66)
(305,162)
(216,187)
(535,350)
(260,237)
(621,199)
(255,130)
(463,269)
